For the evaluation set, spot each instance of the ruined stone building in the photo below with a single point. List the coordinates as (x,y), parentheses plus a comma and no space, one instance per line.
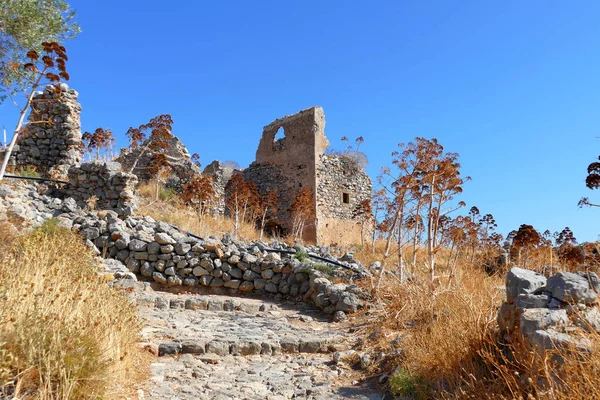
(286,165)
(180,162)
(52,141)
(297,161)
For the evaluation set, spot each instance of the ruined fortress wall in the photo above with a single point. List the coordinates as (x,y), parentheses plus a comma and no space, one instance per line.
(182,167)
(220,175)
(342,185)
(289,164)
(52,139)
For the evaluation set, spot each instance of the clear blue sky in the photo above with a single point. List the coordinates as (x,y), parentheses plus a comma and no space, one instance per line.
(512,86)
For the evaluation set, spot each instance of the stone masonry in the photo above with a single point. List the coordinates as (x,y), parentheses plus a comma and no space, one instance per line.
(182,166)
(52,139)
(297,161)
(220,175)
(111,188)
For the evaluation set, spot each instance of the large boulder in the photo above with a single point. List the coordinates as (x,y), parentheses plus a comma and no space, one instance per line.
(574,287)
(522,281)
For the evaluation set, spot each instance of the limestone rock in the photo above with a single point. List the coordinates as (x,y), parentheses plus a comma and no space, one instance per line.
(522,281)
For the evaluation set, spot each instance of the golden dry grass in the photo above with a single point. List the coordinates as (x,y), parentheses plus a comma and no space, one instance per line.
(450,346)
(174,212)
(64,333)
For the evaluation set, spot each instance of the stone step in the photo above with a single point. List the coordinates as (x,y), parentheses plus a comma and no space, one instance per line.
(206,304)
(285,345)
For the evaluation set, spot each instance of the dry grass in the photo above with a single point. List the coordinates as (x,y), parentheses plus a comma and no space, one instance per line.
(64,333)
(449,346)
(174,212)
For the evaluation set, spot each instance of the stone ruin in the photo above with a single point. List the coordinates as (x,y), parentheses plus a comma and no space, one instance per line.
(286,165)
(297,161)
(52,139)
(550,313)
(182,166)
(52,143)
(220,175)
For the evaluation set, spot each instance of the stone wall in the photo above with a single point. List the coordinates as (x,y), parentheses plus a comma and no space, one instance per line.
(288,164)
(342,185)
(52,140)
(112,188)
(220,176)
(158,252)
(182,166)
(297,161)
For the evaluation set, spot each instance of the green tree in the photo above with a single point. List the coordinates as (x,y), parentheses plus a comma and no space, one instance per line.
(24,25)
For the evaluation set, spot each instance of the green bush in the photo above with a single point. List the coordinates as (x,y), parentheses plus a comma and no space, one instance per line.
(402,383)
(166,194)
(301,256)
(49,227)
(326,268)
(29,172)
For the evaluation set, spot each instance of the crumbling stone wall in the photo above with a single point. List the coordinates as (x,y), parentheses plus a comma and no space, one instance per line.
(52,140)
(289,164)
(182,166)
(220,175)
(342,185)
(297,161)
(112,188)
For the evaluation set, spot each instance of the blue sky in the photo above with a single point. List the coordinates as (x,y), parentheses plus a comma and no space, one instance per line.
(513,87)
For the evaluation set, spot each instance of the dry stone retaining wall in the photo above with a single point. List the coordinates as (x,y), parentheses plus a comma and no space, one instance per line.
(158,252)
(112,188)
(155,251)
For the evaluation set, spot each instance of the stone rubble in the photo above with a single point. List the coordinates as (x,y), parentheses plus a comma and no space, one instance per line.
(547,313)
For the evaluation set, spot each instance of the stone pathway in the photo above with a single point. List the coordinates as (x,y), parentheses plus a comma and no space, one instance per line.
(218,347)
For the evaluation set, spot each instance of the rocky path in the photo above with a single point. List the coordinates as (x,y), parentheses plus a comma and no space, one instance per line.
(217,347)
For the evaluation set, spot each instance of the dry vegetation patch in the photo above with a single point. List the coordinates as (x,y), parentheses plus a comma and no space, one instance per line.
(442,341)
(64,333)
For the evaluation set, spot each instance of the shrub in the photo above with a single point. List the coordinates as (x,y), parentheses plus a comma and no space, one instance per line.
(49,227)
(29,172)
(167,194)
(326,268)
(301,256)
(65,334)
(402,383)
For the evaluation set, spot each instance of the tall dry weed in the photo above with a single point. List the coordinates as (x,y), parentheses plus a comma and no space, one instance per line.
(174,212)
(64,333)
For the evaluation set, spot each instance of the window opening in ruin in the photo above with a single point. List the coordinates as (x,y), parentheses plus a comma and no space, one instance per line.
(346,198)
(279,139)
(280,134)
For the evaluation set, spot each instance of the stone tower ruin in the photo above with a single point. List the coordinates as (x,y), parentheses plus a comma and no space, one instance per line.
(53,138)
(297,161)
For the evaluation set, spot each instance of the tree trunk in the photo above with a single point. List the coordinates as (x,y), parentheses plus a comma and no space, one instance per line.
(400,249)
(430,233)
(262,224)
